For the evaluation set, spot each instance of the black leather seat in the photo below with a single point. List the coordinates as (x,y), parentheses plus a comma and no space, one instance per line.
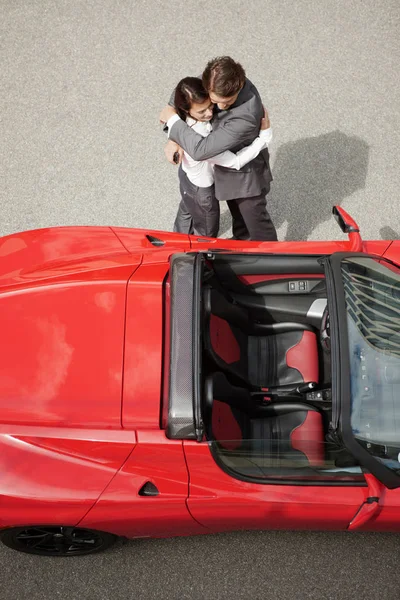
(262,355)
(274,433)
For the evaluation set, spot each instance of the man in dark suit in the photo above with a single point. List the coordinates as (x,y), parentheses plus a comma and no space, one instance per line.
(236,124)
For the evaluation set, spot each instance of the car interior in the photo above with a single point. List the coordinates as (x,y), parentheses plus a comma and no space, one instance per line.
(266,368)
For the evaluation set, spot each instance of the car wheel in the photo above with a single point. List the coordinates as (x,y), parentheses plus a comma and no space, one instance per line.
(57,540)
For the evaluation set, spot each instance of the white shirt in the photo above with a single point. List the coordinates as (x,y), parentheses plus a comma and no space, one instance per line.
(201,172)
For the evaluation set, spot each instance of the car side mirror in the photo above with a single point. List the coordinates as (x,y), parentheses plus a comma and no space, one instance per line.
(344,220)
(348,225)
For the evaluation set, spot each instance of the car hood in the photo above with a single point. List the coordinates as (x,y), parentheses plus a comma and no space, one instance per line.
(33,256)
(62,315)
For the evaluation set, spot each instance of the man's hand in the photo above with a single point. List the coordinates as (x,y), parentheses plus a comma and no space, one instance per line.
(166,113)
(172,151)
(265,122)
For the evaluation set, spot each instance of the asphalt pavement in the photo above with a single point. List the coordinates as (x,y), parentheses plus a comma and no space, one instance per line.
(81,86)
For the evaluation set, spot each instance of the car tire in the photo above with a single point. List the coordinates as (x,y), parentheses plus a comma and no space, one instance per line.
(51,540)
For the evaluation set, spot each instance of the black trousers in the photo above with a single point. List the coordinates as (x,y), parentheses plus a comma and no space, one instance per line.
(251,220)
(198,211)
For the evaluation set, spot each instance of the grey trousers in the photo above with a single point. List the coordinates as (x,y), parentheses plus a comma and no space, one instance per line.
(251,220)
(198,211)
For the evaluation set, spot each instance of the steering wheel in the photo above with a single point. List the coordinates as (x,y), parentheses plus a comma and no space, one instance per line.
(324,332)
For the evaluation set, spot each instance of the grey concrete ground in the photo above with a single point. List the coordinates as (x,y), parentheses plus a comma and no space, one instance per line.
(81,86)
(237,566)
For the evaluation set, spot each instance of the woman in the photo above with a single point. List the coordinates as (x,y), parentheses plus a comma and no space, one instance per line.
(198,211)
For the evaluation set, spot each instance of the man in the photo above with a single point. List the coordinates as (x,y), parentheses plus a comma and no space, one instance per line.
(236,124)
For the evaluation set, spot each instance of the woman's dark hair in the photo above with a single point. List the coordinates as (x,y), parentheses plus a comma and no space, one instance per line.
(188,90)
(224,76)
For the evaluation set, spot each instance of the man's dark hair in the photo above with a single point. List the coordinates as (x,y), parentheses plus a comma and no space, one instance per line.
(188,90)
(224,76)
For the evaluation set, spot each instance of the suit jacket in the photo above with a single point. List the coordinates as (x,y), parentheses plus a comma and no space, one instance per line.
(233,129)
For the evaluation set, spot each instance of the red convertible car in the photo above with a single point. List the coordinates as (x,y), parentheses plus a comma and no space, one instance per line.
(155,384)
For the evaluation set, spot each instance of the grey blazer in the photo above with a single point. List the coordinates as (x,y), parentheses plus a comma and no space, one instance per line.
(233,129)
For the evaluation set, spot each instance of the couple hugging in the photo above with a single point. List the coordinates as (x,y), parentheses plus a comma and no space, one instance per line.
(219,132)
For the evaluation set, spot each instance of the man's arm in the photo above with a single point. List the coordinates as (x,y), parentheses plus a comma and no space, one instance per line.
(244,156)
(248,153)
(233,132)
(171,101)
(173,152)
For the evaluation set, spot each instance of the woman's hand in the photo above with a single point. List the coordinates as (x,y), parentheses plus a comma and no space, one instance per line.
(265,122)
(173,153)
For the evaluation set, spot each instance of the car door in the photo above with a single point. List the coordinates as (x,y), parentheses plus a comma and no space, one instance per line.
(328,499)
(148,495)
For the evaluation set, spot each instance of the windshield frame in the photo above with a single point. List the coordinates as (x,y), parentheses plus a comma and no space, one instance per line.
(341,381)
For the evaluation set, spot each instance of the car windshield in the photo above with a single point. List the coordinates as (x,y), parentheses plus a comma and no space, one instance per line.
(372,293)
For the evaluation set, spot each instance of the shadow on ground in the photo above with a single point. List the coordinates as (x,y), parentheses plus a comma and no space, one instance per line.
(310,176)
(387,233)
